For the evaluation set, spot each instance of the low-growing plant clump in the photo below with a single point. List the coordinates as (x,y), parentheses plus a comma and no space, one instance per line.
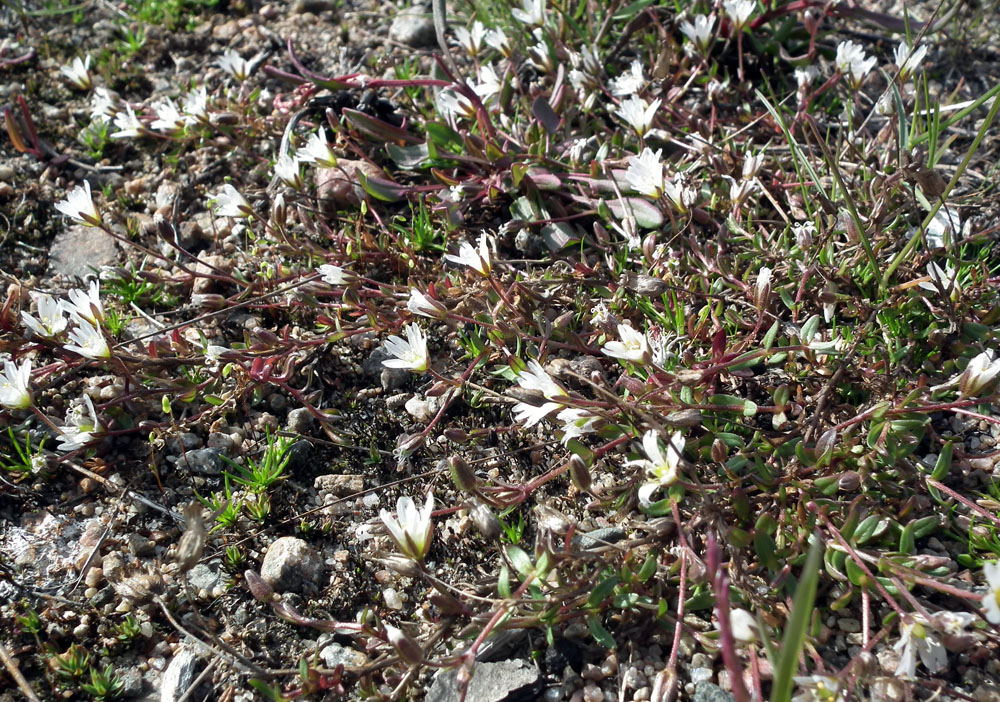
(657,342)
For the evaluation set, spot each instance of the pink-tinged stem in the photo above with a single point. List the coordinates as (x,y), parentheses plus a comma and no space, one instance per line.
(720,584)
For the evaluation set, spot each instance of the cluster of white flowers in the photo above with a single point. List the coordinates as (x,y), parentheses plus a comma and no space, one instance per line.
(83,312)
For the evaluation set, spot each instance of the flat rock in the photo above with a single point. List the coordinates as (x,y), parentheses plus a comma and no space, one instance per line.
(78,251)
(179,675)
(291,564)
(334,654)
(413,27)
(504,681)
(339,186)
(710,692)
(206,461)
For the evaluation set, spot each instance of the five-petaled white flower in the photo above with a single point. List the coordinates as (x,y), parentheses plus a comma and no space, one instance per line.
(637,113)
(991,600)
(453,104)
(102,105)
(660,466)
(78,73)
(978,375)
(530,415)
(645,173)
(129,125)
(418,303)
(317,150)
(699,32)
(81,426)
(477,260)
(79,206)
(471,40)
(576,422)
(196,105)
(630,82)
(15,385)
(751,165)
(532,14)
(739,11)
(499,41)
(229,203)
(915,639)
(633,346)
(168,117)
(534,377)
(234,64)
(88,340)
(409,353)
(86,304)
(853,64)
(51,320)
(818,688)
(411,529)
(335,275)
(286,168)
(907,58)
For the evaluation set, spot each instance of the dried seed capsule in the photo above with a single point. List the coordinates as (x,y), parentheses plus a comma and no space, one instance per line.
(462,475)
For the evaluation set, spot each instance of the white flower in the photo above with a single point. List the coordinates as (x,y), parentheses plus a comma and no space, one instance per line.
(102,105)
(213,353)
(317,150)
(453,104)
(51,321)
(534,377)
(168,117)
(682,195)
(853,64)
(630,82)
(954,623)
(637,113)
(530,415)
(81,426)
(541,56)
(411,529)
(762,289)
(418,303)
(79,206)
(916,639)
(743,625)
(15,385)
(196,105)
(335,275)
(645,173)
(471,41)
(234,64)
(805,76)
(660,466)
(739,11)
(576,422)
(229,203)
(907,59)
(86,305)
(287,170)
(804,234)
(489,83)
(128,124)
(751,165)
(699,32)
(78,73)
(88,340)
(476,260)
(533,13)
(410,353)
(818,688)
(978,375)
(632,347)
(941,279)
(991,600)
(499,41)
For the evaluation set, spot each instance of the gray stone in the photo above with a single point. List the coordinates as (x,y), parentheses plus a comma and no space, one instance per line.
(699,675)
(413,27)
(179,675)
(849,625)
(79,251)
(339,485)
(391,378)
(131,680)
(206,461)
(291,564)
(710,692)
(503,681)
(204,577)
(187,441)
(300,420)
(298,454)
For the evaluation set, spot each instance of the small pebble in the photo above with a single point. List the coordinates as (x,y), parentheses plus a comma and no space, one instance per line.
(591,672)
(592,693)
(642,694)
(849,625)
(392,599)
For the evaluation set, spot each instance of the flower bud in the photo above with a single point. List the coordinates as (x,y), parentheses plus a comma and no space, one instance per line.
(486,521)
(849,481)
(579,473)
(261,591)
(279,211)
(459,436)
(462,475)
(408,649)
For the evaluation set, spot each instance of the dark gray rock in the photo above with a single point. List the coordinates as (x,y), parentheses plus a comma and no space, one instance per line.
(291,564)
(206,461)
(710,692)
(131,680)
(391,378)
(504,681)
(203,577)
(413,27)
(78,251)
(188,441)
(300,420)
